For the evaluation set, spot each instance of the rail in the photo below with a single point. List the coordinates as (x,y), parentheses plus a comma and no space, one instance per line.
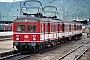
(73,53)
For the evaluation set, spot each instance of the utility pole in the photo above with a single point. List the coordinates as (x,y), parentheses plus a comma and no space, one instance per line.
(20,9)
(66,15)
(0,15)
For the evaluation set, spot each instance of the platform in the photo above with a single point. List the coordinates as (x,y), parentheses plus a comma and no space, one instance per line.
(6,46)
(7,33)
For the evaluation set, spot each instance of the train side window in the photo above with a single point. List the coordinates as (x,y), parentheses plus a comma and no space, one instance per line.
(46,27)
(31,28)
(21,28)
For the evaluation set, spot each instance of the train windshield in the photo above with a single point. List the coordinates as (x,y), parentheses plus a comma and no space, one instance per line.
(31,28)
(21,28)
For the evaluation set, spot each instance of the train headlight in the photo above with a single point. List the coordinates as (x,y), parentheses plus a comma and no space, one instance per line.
(17,37)
(34,37)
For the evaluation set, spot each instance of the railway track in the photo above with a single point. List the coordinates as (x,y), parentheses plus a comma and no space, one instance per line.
(25,55)
(86,56)
(20,56)
(40,52)
(9,54)
(4,38)
(15,55)
(55,54)
(76,53)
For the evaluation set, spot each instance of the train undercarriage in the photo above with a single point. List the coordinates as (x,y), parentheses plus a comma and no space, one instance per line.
(35,47)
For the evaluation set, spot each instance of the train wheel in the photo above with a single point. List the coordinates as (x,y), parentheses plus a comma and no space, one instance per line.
(41,47)
(18,47)
(62,41)
(65,40)
(37,48)
(53,43)
(70,38)
(76,38)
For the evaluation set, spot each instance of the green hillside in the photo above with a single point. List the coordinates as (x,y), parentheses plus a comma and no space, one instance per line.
(67,9)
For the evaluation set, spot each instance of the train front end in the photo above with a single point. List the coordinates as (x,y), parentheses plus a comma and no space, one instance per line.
(26,34)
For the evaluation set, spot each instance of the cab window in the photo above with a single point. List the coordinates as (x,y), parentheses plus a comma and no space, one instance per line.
(21,28)
(31,28)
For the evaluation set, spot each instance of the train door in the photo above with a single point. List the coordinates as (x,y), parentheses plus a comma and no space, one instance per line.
(49,36)
(46,31)
(42,31)
(63,34)
(58,30)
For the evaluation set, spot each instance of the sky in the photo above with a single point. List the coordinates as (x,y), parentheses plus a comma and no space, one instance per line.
(9,0)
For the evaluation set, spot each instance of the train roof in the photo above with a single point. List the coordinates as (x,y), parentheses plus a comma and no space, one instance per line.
(69,21)
(28,18)
(37,19)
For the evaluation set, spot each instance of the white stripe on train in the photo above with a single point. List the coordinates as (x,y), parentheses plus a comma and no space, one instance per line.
(54,35)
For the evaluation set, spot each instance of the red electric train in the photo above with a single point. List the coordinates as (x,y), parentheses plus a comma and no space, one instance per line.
(34,33)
